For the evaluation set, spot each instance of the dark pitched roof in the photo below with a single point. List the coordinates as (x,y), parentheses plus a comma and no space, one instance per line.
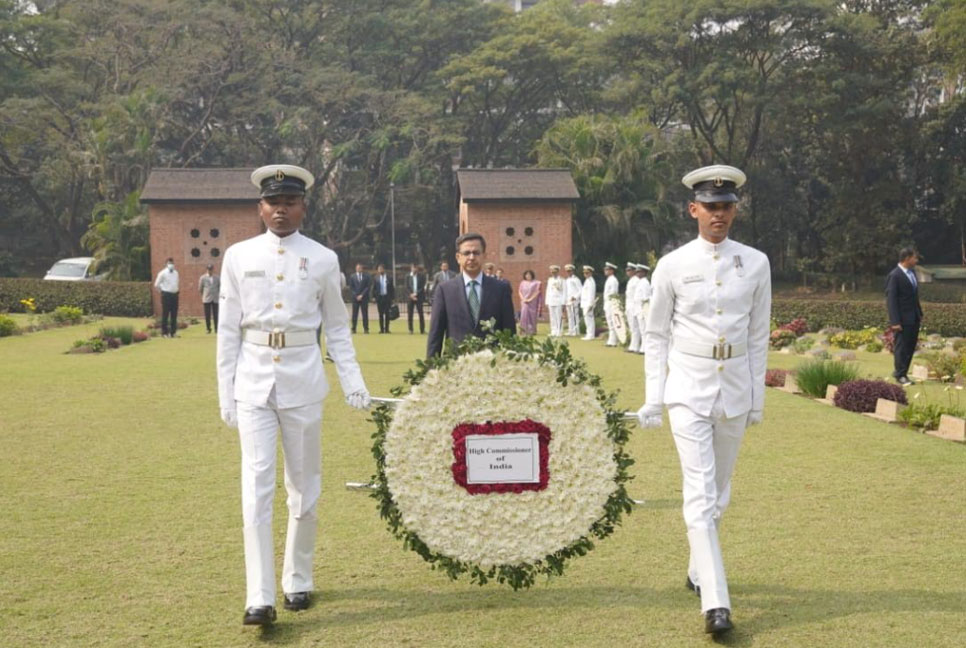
(199,185)
(516,184)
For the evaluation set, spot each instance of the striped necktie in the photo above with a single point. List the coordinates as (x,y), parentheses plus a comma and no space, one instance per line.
(474,302)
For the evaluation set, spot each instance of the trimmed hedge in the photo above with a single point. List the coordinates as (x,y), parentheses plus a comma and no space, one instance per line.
(118,298)
(948,320)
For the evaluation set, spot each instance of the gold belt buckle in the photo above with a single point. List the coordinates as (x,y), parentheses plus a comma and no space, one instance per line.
(276,339)
(721,351)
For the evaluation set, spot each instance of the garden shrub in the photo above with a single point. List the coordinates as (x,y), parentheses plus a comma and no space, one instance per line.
(925,416)
(781,338)
(67,315)
(861,395)
(875,346)
(854,339)
(943,365)
(814,376)
(775,377)
(8,326)
(946,319)
(123,333)
(139,336)
(803,344)
(798,326)
(120,298)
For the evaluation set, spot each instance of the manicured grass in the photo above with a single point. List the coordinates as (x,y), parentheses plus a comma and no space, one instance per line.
(120,521)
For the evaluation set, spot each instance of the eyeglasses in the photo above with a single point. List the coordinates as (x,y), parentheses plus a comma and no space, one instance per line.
(471,253)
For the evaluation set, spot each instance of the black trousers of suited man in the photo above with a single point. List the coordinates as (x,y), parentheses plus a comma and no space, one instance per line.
(415,305)
(383,302)
(362,306)
(211,315)
(169,313)
(905,345)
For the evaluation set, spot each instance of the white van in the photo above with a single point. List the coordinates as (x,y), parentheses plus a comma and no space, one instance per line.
(73,269)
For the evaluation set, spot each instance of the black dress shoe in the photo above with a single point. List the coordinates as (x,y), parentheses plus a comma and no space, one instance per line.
(297,601)
(261,615)
(691,586)
(717,621)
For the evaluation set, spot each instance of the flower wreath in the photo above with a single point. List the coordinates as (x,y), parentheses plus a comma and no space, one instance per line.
(511,533)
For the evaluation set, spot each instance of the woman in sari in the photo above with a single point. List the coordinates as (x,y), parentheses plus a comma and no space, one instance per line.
(529,292)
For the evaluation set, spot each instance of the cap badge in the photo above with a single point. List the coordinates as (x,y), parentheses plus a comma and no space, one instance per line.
(279,175)
(718,182)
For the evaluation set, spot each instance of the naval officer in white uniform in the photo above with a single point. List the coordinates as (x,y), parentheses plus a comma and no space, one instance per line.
(642,298)
(573,300)
(588,300)
(277,289)
(630,307)
(556,296)
(706,345)
(612,289)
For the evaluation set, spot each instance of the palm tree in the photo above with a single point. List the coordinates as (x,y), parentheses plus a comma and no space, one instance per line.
(118,239)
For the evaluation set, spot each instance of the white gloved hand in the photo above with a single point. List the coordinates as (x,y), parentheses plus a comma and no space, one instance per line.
(754,418)
(650,416)
(359,399)
(230,417)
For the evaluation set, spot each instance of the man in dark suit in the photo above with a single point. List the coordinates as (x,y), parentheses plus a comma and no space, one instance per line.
(416,291)
(384,292)
(360,284)
(905,311)
(461,304)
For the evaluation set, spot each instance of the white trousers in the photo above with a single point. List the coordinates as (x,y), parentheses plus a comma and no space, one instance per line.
(301,445)
(642,323)
(556,320)
(707,448)
(611,333)
(573,317)
(635,326)
(589,322)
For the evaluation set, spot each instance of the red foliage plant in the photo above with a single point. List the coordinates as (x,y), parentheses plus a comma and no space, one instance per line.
(861,395)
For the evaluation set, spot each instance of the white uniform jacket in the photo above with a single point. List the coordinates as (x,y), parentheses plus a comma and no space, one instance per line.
(573,289)
(631,306)
(281,284)
(556,291)
(642,292)
(588,294)
(706,294)
(612,288)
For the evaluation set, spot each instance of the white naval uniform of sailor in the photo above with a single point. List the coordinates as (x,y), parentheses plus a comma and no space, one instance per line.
(290,285)
(642,296)
(630,309)
(705,297)
(573,305)
(588,297)
(612,288)
(555,302)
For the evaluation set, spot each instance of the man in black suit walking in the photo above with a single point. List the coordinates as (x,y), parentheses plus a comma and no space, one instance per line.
(384,292)
(360,283)
(416,290)
(905,311)
(462,303)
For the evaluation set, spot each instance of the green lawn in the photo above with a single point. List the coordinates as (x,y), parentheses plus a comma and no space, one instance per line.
(120,522)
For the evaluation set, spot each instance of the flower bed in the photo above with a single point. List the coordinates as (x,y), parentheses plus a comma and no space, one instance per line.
(861,395)
(509,535)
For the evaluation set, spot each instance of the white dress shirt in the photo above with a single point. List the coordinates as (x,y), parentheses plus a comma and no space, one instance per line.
(588,293)
(555,291)
(631,306)
(573,289)
(167,281)
(709,294)
(281,284)
(612,288)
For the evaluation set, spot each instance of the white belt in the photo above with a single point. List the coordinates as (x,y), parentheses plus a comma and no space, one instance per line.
(715,350)
(280,339)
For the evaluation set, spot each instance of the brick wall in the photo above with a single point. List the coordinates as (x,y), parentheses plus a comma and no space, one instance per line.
(522,236)
(195,235)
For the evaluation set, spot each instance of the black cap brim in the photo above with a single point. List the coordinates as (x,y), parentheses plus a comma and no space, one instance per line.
(713,197)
